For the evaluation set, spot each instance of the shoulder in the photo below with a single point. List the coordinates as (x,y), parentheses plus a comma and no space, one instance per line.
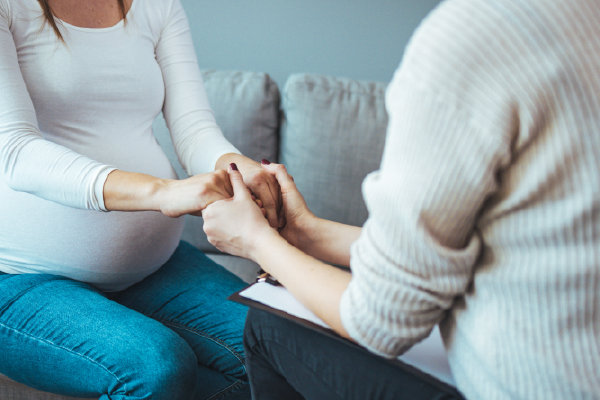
(466,39)
(460,38)
(482,55)
(4,10)
(156,9)
(153,15)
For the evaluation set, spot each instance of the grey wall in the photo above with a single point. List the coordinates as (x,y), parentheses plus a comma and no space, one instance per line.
(358,39)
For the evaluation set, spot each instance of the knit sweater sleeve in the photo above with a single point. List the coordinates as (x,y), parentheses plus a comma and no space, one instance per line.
(450,131)
(28,162)
(418,248)
(197,139)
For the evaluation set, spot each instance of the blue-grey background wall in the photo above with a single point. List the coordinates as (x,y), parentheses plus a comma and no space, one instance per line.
(358,39)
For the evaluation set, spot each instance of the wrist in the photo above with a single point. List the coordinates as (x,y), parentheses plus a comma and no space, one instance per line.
(228,158)
(305,232)
(158,194)
(264,240)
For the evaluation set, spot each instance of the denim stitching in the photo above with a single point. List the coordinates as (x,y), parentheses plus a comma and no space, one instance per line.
(207,336)
(68,351)
(223,393)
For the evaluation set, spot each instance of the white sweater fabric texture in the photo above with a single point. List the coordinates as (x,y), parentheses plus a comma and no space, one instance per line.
(485,214)
(70,114)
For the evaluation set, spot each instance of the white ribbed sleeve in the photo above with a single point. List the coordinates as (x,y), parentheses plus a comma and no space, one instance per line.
(197,139)
(418,248)
(485,214)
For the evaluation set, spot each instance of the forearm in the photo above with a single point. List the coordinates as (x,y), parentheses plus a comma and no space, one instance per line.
(129,191)
(327,240)
(316,285)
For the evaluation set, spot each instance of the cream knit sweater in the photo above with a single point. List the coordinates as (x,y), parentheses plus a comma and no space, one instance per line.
(485,214)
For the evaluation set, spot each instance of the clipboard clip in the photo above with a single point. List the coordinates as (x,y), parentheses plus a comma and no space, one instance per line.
(265,277)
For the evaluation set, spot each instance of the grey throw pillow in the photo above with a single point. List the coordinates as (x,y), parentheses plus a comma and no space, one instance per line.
(332,137)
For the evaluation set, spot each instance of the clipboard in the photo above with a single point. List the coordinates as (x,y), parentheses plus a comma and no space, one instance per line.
(236,297)
(409,369)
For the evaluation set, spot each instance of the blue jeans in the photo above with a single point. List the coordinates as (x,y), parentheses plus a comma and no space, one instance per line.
(289,361)
(171,336)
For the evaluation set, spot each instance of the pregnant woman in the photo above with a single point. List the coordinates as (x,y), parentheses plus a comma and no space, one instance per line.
(98,296)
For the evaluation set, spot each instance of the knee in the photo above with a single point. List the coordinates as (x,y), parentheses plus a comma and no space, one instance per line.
(167,369)
(173,373)
(260,325)
(250,330)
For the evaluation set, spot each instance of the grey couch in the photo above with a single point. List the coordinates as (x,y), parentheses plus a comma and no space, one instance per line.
(329,132)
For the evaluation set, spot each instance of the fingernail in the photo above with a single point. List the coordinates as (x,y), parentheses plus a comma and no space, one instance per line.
(265,162)
(233,166)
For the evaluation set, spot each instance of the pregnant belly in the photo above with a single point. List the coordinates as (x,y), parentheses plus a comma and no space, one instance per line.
(108,250)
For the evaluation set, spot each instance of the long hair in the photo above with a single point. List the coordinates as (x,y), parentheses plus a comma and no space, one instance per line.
(49,16)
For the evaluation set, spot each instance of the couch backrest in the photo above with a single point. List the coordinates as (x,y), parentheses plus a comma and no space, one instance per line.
(332,136)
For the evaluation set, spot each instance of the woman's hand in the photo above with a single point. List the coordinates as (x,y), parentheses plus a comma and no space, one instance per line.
(236,225)
(325,240)
(194,194)
(300,221)
(263,185)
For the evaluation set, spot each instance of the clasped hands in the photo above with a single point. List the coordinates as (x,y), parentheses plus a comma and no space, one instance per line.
(237,225)
(194,194)
(240,205)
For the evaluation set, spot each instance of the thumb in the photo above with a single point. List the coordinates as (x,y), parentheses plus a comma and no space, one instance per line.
(237,182)
(284,179)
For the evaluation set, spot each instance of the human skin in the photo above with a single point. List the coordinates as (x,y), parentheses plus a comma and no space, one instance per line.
(236,226)
(127,191)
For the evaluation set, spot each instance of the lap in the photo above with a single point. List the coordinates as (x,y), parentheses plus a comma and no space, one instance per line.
(189,295)
(57,332)
(65,337)
(303,363)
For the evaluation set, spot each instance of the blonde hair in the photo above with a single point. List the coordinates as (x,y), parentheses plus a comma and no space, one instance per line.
(49,16)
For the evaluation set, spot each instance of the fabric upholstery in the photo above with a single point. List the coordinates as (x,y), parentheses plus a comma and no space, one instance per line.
(245,269)
(332,137)
(11,390)
(246,107)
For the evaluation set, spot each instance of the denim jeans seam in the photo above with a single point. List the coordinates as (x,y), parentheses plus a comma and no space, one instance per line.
(207,336)
(222,393)
(49,343)
(341,397)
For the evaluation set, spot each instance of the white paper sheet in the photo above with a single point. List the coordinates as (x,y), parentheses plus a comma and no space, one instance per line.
(279,298)
(428,356)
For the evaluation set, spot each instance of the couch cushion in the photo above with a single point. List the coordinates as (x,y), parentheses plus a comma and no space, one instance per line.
(247,270)
(246,107)
(332,137)
(11,390)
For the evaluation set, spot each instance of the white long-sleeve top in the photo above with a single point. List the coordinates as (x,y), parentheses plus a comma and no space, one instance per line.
(485,214)
(70,114)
